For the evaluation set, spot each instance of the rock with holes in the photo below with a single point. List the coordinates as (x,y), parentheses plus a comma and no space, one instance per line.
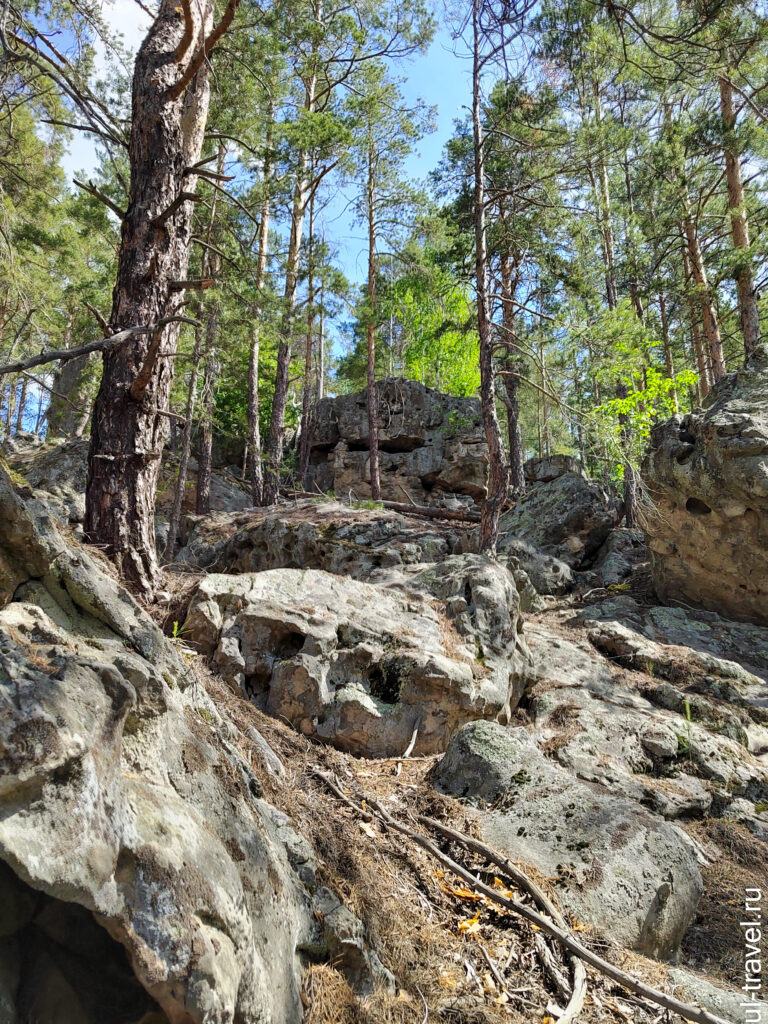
(128,806)
(432,445)
(567,518)
(367,666)
(707,474)
(628,874)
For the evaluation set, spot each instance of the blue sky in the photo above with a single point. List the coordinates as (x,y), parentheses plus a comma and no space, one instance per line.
(439,78)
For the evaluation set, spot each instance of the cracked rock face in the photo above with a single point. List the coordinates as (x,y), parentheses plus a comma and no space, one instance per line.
(121,799)
(566,517)
(362,665)
(629,874)
(707,474)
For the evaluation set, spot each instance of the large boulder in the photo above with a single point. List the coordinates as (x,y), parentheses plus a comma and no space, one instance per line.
(431,445)
(630,875)
(364,666)
(129,806)
(707,475)
(567,517)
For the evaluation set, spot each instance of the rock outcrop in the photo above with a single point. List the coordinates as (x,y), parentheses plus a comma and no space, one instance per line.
(127,805)
(432,445)
(627,873)
(707,475)
(364,666)
(565,516)
(329,535)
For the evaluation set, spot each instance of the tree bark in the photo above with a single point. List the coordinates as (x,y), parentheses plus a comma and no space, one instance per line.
(498,483)
(373,429)
(128,432)
(745,282)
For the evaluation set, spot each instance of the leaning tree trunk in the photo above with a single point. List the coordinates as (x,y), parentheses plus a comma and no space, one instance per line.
(170,109)
(498,483)
(745,282)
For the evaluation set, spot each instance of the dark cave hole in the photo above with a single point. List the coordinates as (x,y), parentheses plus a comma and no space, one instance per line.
(58,966)
(384,683)
(697,507)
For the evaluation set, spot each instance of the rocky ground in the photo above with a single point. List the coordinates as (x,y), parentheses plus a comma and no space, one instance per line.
(171,853)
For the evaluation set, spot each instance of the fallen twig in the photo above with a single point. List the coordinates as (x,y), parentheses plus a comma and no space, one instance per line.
(691,1013)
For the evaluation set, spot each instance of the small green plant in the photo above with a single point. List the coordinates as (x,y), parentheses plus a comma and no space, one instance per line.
(369,504)
(688,736)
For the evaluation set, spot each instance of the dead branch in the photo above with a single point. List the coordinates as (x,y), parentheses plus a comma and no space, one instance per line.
(574,994)
(63,355)
(186,39)
(99,318)
(197,61)
(694,1014)
(200,284)
(425,511)
(182,197)
(204,173)
(91,189)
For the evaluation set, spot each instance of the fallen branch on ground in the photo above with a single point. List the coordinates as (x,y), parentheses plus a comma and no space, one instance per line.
(691,1013)
(425,511)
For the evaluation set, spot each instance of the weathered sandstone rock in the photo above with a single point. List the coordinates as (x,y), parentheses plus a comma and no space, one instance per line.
(126,806)
(567,517)
(364,665)
(707,474)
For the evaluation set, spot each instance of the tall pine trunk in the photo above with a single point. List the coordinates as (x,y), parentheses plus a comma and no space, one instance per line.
(745,282)
(129,427)
(307,398)
(254,428)
(512,366)
(498,482)
(205,437)
(699,350)
(373,429)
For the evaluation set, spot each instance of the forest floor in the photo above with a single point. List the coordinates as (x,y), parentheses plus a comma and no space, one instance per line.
(457,956)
